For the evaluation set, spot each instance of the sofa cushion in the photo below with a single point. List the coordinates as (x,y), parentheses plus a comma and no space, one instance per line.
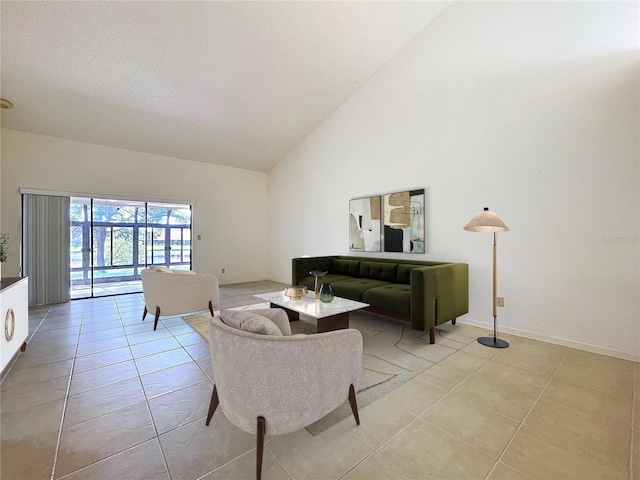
(387,272)
(184,272)
(309,281)
(350,268)
(395,297)
(353,288)
(404,273)
(160,269)
(277,316)
(250,322)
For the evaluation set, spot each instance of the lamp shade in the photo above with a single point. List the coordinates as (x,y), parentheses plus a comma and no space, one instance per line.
(486,222)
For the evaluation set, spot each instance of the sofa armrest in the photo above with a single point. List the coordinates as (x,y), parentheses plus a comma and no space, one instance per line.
(438,294)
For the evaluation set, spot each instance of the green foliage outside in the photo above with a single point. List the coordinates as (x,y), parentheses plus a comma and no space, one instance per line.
(5,245)
(123,236)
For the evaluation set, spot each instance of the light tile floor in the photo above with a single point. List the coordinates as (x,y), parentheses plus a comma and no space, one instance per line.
(100,395)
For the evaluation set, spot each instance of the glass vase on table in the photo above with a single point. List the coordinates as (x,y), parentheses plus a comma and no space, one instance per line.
(318,274)
(326,293)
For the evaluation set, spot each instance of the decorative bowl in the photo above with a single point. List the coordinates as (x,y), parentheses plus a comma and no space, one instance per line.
(295,293)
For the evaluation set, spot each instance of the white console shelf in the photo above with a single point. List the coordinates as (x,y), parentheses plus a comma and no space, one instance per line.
(14,314)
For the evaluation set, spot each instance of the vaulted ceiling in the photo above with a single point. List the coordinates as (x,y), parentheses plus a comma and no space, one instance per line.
(227,82)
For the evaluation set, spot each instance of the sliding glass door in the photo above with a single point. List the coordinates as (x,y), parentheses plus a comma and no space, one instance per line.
(113,240)
(169,235)
(80,247)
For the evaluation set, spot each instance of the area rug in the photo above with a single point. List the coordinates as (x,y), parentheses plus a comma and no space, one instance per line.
(392,354)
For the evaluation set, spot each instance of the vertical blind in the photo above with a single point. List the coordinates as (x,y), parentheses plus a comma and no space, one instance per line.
(46,248)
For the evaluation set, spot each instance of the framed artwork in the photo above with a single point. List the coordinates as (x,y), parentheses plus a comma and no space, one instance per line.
(404,221)
(365,224)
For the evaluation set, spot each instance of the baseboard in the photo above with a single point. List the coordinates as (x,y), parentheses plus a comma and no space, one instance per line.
(634,357)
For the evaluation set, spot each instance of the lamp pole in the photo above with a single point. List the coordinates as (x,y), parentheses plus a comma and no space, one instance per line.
(487,221)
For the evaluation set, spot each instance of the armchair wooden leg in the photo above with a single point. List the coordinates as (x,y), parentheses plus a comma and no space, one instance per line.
(453,322)
(211,308)
(213,404)
(155,323)
(353,403)
(260,446)
(144,314)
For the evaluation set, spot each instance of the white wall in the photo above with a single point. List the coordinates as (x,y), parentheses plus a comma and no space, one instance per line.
(0,194)
(529,108)
(229,204)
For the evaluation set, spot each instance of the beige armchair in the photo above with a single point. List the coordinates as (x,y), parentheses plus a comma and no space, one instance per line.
(275,384)
(173,292)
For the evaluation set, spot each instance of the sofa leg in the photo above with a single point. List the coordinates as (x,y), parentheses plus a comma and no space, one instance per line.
(432,332)
(453,322)
(155,323)
(260,446)
(144,314)
(213,404)
(353,403)
(211,308)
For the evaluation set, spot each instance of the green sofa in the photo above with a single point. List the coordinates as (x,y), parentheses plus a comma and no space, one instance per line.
(426,294)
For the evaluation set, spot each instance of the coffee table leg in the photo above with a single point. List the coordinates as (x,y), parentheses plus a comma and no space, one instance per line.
(335,322)
(293,316)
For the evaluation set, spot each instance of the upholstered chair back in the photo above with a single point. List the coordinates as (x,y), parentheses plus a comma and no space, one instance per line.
(291,381)
(176,293)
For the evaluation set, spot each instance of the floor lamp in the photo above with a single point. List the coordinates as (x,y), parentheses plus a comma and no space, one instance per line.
(487,222)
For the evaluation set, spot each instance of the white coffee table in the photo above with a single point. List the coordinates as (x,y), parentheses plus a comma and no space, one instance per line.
(329,316)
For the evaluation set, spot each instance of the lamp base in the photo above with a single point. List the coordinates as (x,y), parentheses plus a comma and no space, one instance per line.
(493,342)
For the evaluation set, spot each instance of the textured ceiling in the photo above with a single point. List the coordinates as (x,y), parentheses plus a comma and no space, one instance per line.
(231,83)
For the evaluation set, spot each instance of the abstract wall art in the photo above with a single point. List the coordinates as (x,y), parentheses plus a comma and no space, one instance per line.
(404,221)
(365,218)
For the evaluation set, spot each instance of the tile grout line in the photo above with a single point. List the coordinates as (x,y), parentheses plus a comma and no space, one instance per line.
(85,313)
(419,417)
(28,339)
(65,406)
(496,461)
(164,458)
(506,447)
(374,450)
(451,392)
(146,399)
(632,437)
(157,436)
(634,420)
(584,449)
(66,399)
